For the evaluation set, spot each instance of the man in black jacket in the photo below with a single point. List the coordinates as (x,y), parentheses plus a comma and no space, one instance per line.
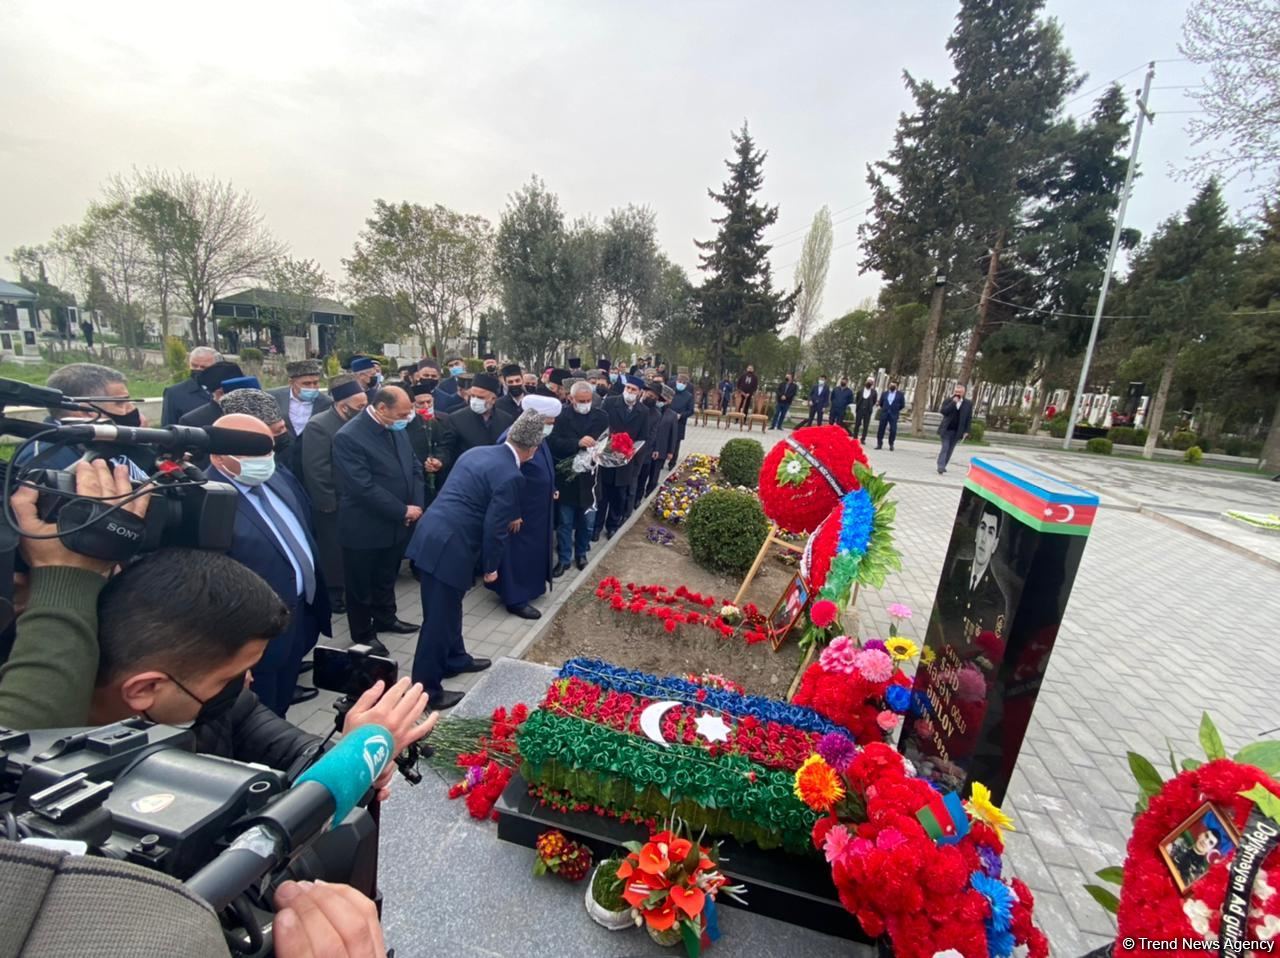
(748,382)
(431,436)
(626,414)
(957,416)
(513,389)
(188,395)
(865,404)
(577,428)
(479,424)
(211,380)
(380,496)
(682,406)
(784,397)
(841,400)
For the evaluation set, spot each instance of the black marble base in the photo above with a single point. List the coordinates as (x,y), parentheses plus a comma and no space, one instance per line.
(779,885)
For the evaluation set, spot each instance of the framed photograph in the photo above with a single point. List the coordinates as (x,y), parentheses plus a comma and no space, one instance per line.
(1191,849)
(795,599)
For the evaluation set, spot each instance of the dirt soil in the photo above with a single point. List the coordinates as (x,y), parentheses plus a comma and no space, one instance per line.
(587,626)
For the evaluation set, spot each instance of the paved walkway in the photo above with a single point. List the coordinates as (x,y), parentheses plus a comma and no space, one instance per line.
(1162,625)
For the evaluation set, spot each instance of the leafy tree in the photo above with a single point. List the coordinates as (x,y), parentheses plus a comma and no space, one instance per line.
(1239,42)
(377,321)
(112,257)
(630,273)
(737,298)
(164,226)
(671,324)
(1180,287)
(811,273)
(430,262)
(846,346)
(299,285)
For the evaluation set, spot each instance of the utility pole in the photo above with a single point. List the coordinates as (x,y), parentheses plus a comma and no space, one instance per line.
(1143,115)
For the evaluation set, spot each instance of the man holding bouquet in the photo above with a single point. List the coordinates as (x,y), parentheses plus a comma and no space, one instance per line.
(626,416)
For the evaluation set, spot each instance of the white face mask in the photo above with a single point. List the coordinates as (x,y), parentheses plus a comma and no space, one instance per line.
(582,407)
(547,427)
(254,472)
(630,398)
(479,406)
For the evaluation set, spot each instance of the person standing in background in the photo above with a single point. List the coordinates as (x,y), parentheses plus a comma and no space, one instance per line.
(891,405)
(957,415)
(841,400)
(784,397)
(682,406)
(865,404)
(431,436)
(188,395)
(748,383)
(819,397)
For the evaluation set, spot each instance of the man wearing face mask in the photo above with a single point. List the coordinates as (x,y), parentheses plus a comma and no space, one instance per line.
(480,424)
(626,414)
(90,380)
(188,395)
(525,570)
(368,374)
(513,390)
(273,537)
(429,375)
(211,380)
(682,406)
(431,435)
(819,398)
(381,492)
(301,399)
(576,429)
(318,478)
(650,399)
(262,406)
(449,391)
(490,362)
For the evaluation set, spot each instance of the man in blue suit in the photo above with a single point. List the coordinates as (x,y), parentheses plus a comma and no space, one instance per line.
(381,491)
(891,403)
(467,525)
(273,537)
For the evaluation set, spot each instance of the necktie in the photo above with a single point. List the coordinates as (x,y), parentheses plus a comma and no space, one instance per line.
(301,552)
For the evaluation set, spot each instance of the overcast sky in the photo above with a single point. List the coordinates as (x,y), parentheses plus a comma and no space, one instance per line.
(318,108)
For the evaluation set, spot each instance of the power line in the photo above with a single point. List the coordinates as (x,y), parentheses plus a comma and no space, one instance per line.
(801,229)
(835,223)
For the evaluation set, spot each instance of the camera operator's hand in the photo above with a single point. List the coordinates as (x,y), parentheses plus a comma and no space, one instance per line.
(398,712)
(320,920)
(93,479)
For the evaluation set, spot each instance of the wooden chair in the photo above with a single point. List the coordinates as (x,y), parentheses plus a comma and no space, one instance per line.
(731,417)
(702,416)
(753,419)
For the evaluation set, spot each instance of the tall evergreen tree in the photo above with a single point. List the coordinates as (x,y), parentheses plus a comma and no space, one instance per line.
(1180,287)
(737,298)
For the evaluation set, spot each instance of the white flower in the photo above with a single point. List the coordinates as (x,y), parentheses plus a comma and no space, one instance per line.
(1269,928)
(1198,913)
(949,953)
(794,467)
(728,611)
(1262,890)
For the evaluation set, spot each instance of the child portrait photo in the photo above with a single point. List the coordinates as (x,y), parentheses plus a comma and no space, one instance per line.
(1191,849)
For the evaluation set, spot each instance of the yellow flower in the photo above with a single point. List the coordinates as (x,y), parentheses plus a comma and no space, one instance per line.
(980,806)
(901,648)
(928,655)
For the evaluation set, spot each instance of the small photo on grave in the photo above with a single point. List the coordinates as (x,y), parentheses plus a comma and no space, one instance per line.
(1192,848)
(789,609)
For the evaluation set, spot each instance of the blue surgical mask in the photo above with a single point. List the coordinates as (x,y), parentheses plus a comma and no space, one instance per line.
(661,403)
(680,387)
(308,395)
(254,472)
(613,377)
(457,370)
(399,424)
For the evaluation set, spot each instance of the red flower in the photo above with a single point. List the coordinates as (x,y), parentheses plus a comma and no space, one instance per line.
(622,443)
(823,613)
(669,625)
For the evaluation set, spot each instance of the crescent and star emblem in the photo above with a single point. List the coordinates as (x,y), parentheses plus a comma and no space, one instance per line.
(1070,514)
(711,727)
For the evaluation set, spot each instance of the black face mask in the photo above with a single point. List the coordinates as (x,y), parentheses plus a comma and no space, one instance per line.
(283,442)
(602,390)
(515,391)
(128,419)
(429,384)
(650,400)
(220,704)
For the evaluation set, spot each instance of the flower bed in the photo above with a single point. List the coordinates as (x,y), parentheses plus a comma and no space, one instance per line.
(694,478)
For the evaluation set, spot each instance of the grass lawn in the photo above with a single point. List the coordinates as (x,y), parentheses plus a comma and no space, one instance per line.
(142,385)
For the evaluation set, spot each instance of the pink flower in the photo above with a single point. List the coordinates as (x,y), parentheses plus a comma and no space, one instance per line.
(875,666)
(899,611)
(836,847)
(840,656)
(859,847)
(887,720)
(972,687)
(890,839)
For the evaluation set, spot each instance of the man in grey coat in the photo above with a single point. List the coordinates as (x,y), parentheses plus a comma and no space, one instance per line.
(347,401)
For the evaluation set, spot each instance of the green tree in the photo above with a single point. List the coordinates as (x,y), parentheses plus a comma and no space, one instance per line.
(846,346)
(1180,286)
(811,273)
(299,285)
(112,257)
(737,298)
(45,270)
(630,272)
(427,261)
(165,227)
(671,324)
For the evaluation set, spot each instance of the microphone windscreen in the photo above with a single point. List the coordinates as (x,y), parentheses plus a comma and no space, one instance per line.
(350,767)
(235,442)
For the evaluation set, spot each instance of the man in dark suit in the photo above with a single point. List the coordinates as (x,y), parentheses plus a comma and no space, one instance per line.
(380,497)
(626,414)
(513,389)
(784,397)
(841,400)
(449,397)
(891,405)
(865,404)
(957,416)
(819,399)
(211,380)
(273,538)
(368,374)
(467,525)
(748,383)
(348,400)
(479,424)
(576,429)
(302,398)
(188,395)
(971,599)
(682,406)
(431,436)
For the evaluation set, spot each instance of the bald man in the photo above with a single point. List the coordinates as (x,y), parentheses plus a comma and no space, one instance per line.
(274,538)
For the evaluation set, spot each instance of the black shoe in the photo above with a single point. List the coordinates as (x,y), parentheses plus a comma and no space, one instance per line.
(595,536)
(891,448)
(559,570)
(446,701)
(306,667)
(525,611)
(608,533)
(302,693)
(399,626)
(337,607)
(375,645)
(477,665)
(580,562)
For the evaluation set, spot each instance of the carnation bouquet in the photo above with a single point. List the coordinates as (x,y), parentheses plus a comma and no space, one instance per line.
(862,688)
(610,451)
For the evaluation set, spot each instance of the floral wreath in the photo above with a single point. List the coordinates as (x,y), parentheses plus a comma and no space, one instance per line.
(855,543)
(803,477)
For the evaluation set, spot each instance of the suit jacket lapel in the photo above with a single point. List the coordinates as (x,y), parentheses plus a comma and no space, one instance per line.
(251,513)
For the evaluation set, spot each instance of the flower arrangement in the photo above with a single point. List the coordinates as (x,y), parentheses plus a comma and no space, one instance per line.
(864,689)
(804,476)
(561,856)
(1216,906)
(682,606)
(714,680)
(854,544)
(621,444)
(911,863)
(660,535)
(671,883)
(485,751)
(679,491)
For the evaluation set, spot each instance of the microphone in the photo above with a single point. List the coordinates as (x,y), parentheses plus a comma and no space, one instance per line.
(213,440)
(318,800)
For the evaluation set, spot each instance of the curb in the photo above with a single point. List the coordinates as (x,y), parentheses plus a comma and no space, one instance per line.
(1199,533)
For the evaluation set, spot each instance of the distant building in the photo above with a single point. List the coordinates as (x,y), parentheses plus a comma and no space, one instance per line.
(258,317)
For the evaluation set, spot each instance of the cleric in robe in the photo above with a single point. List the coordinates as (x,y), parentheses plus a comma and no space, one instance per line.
(525,572)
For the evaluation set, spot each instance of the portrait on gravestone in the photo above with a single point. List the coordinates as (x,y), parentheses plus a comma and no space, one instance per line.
(1193,847)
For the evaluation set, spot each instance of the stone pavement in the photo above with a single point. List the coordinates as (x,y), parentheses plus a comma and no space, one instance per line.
(1162,625)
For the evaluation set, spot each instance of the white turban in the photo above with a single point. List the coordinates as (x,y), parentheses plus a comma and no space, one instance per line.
(548,407)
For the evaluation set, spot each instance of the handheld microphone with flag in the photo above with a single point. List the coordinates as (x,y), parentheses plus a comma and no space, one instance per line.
(318,800)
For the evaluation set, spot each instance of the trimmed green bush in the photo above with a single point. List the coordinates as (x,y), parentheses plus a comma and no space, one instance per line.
(1127,436)
(1100,445)
(726,529)
(1182,440)
(977,429)
(1058,424)
(250,354)
(1194,455)
(1019,427)
(1204,442)
(175,358)
(740,461)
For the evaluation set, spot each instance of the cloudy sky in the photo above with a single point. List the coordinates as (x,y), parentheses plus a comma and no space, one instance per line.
(317,108)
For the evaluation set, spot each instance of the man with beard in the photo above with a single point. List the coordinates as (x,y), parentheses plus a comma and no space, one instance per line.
(578,428)
(490,362)
(513,380)
(317,476)
(480,424)
(431,435)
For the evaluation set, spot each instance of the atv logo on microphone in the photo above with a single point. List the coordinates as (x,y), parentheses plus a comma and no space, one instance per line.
(377,751)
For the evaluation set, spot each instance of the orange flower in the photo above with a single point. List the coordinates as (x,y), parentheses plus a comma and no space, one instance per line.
(817,784)
(688,900)
(662,917)
(653,859)
(636,893)
(627,867)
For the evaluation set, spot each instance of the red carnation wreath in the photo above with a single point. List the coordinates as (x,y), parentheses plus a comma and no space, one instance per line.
(795,493)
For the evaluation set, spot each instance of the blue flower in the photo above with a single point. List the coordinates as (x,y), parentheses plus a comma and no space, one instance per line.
(898,698)
(998,895)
